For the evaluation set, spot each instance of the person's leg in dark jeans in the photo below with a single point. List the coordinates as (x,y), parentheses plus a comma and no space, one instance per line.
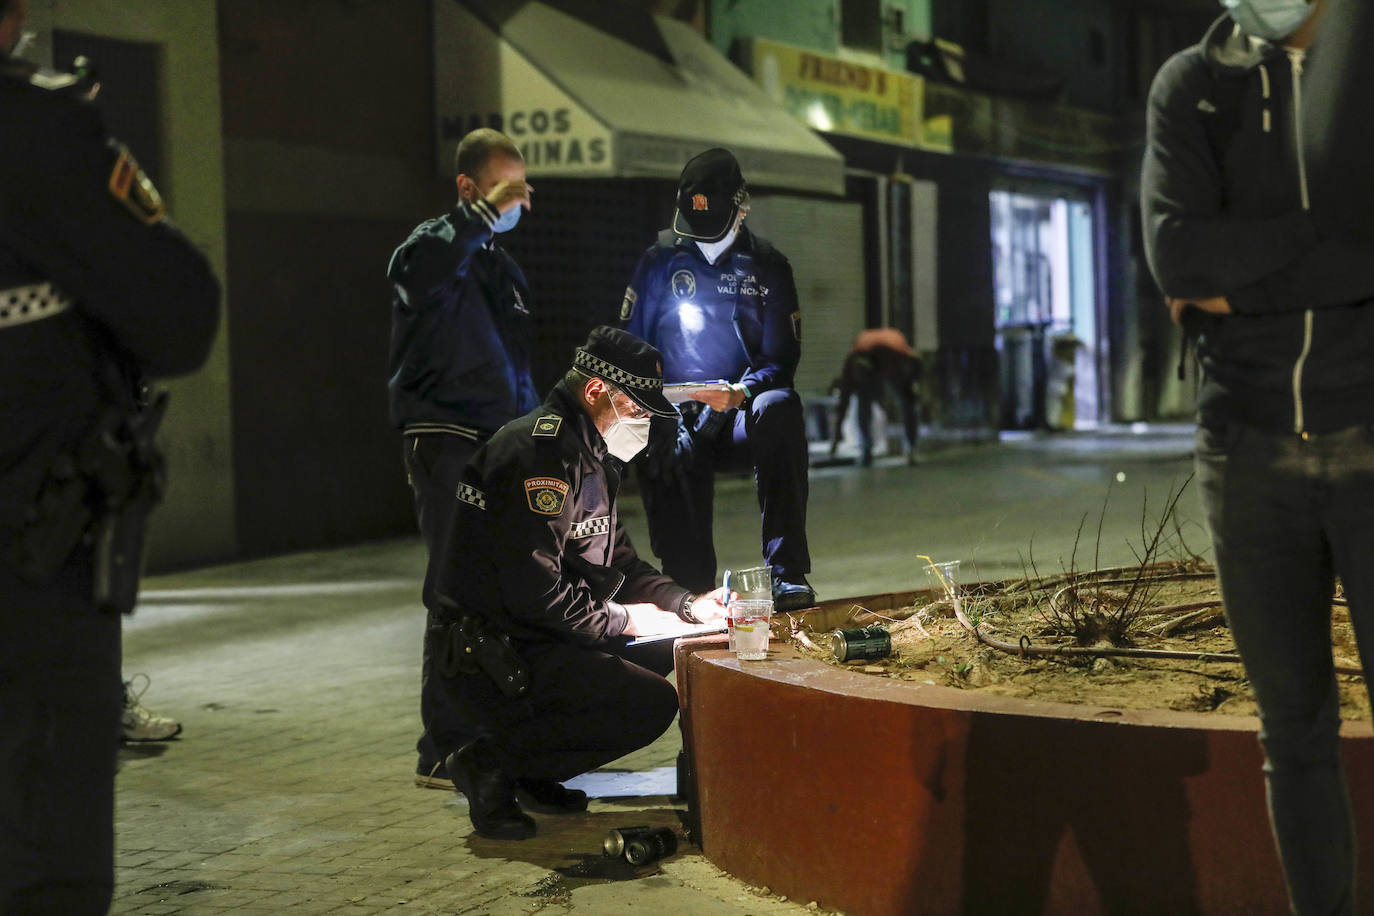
(771,432)
(1267,504)
(434,466)
(680,511)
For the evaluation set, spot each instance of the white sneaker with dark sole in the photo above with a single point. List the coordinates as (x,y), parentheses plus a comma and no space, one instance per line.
(138,722)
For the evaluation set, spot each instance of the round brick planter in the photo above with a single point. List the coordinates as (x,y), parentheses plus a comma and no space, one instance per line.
(878,796)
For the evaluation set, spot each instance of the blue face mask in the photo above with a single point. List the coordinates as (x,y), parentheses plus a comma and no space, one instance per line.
(506,221)
(1271,20)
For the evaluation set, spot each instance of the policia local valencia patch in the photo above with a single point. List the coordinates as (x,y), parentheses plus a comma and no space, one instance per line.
(546,495)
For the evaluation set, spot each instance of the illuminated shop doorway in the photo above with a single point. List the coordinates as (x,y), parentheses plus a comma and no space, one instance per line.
(1046,322)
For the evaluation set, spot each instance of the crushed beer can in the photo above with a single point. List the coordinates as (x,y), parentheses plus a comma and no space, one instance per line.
(861,643)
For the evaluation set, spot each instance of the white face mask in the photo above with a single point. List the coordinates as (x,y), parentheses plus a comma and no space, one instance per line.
(713,250)
(627,436)
(1271,20)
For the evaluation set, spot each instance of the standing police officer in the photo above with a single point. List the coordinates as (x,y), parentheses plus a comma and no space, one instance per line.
(537,588)
(720,303)
(97,290)
(460,349)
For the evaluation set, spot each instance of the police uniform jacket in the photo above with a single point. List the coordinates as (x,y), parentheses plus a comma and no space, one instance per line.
(460,329)
(537,549)
(90,272)
(753,279)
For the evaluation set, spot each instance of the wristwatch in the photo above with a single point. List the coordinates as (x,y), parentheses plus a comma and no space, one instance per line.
(685,612)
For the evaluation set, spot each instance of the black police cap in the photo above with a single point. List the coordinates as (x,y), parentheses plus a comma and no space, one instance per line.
(627,362)
(709,194)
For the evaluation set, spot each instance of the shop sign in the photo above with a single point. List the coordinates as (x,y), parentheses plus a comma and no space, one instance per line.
(480,80)
(838,96)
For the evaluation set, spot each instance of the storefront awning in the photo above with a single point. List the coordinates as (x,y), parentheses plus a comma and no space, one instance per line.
(582,102)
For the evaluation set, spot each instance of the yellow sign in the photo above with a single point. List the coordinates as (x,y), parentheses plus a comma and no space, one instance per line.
(838,96)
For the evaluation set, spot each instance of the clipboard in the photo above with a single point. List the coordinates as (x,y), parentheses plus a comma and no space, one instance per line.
(706,629)
(683,391)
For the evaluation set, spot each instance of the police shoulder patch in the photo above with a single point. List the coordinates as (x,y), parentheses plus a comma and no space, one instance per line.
(627,306)
(546,495)
(132,188)
(547,426)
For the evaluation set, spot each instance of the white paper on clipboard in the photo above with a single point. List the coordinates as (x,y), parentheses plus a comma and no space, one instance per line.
(683,391)
(705,629)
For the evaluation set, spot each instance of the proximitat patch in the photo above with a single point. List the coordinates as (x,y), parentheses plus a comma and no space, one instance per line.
(546,495)
(547,427)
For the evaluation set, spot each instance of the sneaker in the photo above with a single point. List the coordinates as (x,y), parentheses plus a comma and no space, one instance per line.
(432,775)
(791,593)
(138,722)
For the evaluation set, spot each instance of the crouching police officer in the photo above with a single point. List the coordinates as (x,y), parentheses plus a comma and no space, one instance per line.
(96,292)
(720,302)
(538,587)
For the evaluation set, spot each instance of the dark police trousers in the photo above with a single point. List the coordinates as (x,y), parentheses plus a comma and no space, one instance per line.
(434,465)
(767,433)
(1287,515)
(60,700)
(585,707)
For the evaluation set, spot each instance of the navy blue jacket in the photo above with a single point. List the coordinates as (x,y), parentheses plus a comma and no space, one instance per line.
(765,314)
(144,297)
(460,329)
(1225,196)
(537,547)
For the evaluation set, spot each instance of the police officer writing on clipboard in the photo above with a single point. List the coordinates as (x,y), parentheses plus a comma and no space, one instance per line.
(720,303)
(97,291)
(539,586)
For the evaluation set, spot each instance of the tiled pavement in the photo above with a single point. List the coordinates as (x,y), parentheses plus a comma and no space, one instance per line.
(296,680)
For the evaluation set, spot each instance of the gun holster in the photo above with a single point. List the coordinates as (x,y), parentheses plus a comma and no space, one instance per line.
(470,647)
(102,488)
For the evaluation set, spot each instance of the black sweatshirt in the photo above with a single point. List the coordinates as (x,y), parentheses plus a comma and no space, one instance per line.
(1227,212)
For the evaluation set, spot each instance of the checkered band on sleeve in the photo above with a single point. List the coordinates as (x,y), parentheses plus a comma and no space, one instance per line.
(591,527)
(472,496)
(22,304)
(597,366)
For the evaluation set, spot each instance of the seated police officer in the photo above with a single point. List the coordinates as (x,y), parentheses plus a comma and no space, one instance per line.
(538,588)
(720,303)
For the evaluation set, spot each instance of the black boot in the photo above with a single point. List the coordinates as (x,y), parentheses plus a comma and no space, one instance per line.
(549,796)
(791,593)
(491,798)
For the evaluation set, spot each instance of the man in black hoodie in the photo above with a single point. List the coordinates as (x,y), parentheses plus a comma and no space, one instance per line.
(1284,320)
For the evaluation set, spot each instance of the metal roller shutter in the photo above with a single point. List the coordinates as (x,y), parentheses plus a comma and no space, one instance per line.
(824,241)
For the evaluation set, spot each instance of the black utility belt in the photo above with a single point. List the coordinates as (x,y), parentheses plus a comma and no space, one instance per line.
(470,646)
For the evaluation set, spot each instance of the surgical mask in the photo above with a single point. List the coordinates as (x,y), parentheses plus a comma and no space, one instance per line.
(627,436)
(1271,20)
(506,221)
(713,250)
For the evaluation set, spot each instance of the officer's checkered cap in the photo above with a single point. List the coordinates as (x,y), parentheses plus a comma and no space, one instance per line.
(627,362)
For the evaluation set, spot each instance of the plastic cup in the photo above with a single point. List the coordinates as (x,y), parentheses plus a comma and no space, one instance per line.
(748,622)
(944,576)
(751,582)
